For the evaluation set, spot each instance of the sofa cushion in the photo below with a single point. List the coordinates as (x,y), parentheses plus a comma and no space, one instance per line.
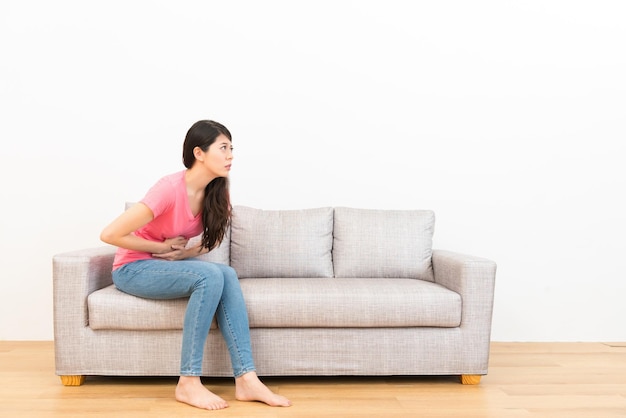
(289,303)
(110,308)
(221,254)
(281,243)
(349,303)
(383,243)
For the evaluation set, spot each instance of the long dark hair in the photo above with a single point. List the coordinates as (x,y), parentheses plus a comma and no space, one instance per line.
(216,210)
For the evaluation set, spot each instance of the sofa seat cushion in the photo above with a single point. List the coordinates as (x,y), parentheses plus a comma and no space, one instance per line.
(350,303)
(110,308)
(296,303)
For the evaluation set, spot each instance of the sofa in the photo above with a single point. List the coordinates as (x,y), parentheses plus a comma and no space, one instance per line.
(330,291)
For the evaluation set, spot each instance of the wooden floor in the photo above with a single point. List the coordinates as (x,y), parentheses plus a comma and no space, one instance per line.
(548,380)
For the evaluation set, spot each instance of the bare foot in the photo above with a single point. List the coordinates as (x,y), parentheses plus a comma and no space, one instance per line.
(190,390)
(248,387)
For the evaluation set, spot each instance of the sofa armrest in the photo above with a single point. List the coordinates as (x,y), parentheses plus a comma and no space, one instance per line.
(474,279)
(75,275)
(471,277)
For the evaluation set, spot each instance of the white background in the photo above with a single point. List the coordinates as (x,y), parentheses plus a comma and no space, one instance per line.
(508,119)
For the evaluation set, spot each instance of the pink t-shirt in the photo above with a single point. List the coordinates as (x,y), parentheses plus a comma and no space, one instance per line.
(172,217)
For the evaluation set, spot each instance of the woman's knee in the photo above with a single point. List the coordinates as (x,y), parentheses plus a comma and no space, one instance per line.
(228,272)
(210,276)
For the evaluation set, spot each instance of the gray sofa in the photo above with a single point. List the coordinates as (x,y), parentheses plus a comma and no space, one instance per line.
(329,291)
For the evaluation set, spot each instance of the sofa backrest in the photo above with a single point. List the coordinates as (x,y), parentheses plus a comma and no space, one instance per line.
(221,254)
(281,243)
(331,242)
(327,242)
(383,243)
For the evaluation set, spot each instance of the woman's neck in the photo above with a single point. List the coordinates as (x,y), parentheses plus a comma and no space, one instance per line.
(197,180)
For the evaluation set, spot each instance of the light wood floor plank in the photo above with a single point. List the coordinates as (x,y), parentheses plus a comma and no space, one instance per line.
(526,380)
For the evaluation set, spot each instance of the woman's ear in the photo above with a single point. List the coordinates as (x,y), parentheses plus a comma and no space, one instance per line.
(198,153)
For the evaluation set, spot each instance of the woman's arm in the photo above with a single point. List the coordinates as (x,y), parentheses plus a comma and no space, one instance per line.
(120,233)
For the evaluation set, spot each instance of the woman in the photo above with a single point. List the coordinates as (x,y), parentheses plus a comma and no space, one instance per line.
(153,261)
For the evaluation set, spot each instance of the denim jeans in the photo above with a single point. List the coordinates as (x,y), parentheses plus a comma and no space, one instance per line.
(213,289)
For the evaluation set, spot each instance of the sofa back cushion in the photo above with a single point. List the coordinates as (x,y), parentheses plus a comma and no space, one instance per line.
(383,243)
(281,243)
(220,254)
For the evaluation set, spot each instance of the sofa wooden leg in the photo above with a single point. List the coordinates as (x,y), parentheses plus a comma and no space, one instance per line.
(470,379)
(72,380)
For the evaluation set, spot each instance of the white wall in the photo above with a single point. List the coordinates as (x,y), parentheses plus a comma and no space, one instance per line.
(505,118)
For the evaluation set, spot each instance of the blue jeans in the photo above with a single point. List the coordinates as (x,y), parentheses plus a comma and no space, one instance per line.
(213,289)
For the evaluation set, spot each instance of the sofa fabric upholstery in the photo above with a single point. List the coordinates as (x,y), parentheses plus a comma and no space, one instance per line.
(383,243)
(329,291)
(350,303)
(315,302)
(282,243)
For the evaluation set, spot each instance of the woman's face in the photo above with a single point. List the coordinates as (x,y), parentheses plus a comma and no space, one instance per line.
(218,157)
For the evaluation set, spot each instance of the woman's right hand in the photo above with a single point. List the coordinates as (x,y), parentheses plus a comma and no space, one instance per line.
(176,243)
(174,249)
